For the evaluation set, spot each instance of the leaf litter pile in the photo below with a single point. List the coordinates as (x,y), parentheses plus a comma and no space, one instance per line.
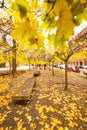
(50,107)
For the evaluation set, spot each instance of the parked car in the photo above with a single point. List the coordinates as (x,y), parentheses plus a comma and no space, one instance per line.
(62,66)
(83,69)
(85,72)
(75,69)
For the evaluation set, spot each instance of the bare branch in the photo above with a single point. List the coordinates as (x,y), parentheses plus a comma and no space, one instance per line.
(2,4)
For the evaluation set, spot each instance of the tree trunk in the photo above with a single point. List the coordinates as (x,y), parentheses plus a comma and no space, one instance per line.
(14,59)
(52,67)
(49,66)
(33,65)
(66,81)
(10,66)
(29,64)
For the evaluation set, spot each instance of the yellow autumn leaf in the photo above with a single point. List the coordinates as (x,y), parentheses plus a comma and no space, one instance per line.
(24,129)
(19,112)
(41,123)
(85,119)
(7,128)
(3,118)
(19,8)
(20,124)
(47,109)
(43,116)
(71,124)
(55,121)
(51,109)
(47,126)
(60,128)
(3,87)
(28,117)
(66,128)
(33,126)
(16,118)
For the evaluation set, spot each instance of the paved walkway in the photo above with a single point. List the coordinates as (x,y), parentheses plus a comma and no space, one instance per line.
(50,108)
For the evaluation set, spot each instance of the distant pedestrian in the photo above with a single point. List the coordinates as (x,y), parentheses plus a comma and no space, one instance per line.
(44,66)
(40,66)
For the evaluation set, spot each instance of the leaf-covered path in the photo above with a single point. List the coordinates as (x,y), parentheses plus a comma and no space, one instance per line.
(50,108)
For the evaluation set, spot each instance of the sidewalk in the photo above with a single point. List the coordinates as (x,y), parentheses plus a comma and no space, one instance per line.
(50,108)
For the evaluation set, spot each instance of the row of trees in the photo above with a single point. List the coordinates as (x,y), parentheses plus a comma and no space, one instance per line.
(23,24)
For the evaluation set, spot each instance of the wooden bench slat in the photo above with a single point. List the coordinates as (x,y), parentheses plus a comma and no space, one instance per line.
(24,91)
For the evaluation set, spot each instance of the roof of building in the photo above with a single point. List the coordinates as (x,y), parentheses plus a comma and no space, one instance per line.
(82,36)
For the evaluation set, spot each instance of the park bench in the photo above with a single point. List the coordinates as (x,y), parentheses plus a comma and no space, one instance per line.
(24,92)
(4,73)
(36,73)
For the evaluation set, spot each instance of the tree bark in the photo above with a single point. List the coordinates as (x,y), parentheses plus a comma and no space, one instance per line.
(52,67)
(14,59)
(33,65)
(66,80)
(10,66)
(49,66)
(29,64)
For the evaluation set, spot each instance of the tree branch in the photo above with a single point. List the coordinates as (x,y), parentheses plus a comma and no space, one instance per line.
(53,3)
(3,4)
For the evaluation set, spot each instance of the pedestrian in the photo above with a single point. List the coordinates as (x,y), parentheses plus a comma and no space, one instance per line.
(44,66)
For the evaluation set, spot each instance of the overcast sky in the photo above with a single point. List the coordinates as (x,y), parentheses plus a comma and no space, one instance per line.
(80,28)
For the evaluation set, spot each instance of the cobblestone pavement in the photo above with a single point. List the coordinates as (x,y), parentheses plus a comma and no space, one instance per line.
(50,107)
